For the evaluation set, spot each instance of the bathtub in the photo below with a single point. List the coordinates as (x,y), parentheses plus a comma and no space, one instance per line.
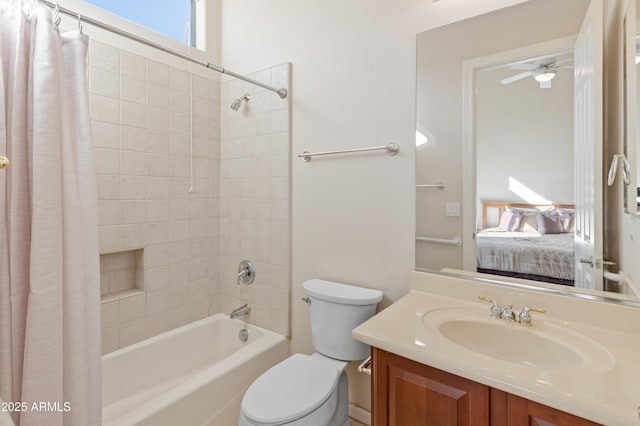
(193,375)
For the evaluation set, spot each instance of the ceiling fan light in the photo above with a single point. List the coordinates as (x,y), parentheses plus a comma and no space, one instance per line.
(545,76)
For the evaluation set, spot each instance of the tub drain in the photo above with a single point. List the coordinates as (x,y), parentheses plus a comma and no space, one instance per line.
(243,335)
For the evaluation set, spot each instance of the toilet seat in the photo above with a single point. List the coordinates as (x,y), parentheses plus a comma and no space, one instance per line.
(299,386)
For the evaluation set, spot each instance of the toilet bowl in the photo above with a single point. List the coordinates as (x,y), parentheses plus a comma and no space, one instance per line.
(312,390)
(301,390)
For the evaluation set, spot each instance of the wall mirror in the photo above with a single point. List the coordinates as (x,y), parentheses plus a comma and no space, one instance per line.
(495,147)
(631,55)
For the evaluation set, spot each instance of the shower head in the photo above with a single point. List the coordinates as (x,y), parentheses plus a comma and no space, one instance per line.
(236,104)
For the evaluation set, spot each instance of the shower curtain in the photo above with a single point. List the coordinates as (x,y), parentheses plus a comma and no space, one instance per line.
(49,262)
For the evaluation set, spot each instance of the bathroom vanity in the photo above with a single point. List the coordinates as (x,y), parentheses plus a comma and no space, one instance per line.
(407,393)
(440,357)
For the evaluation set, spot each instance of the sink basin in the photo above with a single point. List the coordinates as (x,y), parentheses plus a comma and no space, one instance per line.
(510,344)
(543,345)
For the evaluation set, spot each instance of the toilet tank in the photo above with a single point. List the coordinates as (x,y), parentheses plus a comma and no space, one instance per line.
(336,309)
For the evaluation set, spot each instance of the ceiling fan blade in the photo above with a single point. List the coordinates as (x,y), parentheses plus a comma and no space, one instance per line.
(545,84)
(523,66)
(555,64)
(516,77)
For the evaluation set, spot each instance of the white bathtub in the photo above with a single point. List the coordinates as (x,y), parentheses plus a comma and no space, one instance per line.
(193,375)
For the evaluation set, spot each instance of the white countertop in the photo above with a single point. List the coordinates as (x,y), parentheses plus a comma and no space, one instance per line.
(607,393)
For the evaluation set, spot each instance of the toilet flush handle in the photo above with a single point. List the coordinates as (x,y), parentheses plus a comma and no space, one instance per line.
(306,300)
(365,366)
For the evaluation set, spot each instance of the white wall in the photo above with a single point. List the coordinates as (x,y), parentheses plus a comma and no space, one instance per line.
(353,77)
(524,133)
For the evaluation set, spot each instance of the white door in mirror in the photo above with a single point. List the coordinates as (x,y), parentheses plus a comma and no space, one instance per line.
(588,149)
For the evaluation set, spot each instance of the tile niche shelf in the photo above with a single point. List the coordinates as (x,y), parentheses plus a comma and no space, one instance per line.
(121,275)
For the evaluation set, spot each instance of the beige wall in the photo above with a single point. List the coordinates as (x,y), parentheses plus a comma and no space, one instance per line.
(624,246)
(353,74)
(613,215)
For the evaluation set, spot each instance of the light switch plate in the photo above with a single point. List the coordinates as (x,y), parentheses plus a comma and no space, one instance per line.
(453,209)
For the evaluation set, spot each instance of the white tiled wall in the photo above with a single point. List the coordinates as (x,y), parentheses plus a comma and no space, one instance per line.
(147,119)
(255,198)
(144,116)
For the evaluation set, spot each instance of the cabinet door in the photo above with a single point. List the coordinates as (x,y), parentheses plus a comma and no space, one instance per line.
(523,412)
(406,393)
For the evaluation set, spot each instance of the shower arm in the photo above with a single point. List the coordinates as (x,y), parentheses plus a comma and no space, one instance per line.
(282,92)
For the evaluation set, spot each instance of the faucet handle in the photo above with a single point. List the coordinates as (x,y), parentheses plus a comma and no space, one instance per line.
(525,315)
(507,313)
(496,311)
(246,272)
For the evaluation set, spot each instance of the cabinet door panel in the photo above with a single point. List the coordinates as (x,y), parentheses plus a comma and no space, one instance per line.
(407,393)
(523,412)
(417,400)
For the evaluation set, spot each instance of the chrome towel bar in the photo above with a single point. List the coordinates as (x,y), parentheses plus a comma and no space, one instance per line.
(392,149)
(455,241)
(439,186)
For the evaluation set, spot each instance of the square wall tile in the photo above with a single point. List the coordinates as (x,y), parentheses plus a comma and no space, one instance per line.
(156,134)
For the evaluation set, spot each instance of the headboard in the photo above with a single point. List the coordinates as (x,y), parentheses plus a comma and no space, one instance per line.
(493,207)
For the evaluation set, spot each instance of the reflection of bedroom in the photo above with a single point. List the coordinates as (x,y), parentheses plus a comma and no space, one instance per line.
(524,140)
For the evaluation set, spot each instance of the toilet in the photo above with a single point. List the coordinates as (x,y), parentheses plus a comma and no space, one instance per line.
(312,390)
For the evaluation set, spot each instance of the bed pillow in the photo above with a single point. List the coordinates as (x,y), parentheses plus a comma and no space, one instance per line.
(510,220)
(549,223)
(528,222)
(567,218)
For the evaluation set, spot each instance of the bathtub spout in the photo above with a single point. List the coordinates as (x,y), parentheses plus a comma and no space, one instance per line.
(241,311)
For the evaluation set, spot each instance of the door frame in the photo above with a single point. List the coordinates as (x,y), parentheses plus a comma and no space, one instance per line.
(469,158)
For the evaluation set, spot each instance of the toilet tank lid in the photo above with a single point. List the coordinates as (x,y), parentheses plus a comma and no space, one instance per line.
(341,293)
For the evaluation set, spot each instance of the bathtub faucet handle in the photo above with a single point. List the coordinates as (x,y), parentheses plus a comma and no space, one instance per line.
(246,272)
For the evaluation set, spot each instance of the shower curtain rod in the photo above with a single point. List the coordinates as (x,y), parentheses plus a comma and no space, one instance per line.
(82,18)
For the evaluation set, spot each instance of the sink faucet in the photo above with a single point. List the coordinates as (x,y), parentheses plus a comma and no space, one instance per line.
(241,311)
(507,313)
(525,316)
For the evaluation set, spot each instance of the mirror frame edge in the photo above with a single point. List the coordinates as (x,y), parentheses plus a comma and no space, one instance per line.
(630,99)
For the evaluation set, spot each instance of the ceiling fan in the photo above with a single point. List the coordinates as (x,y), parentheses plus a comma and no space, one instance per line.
(543,70)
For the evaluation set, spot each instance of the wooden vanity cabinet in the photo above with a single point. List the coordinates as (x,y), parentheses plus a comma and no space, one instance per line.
(522,412)
(407,393)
